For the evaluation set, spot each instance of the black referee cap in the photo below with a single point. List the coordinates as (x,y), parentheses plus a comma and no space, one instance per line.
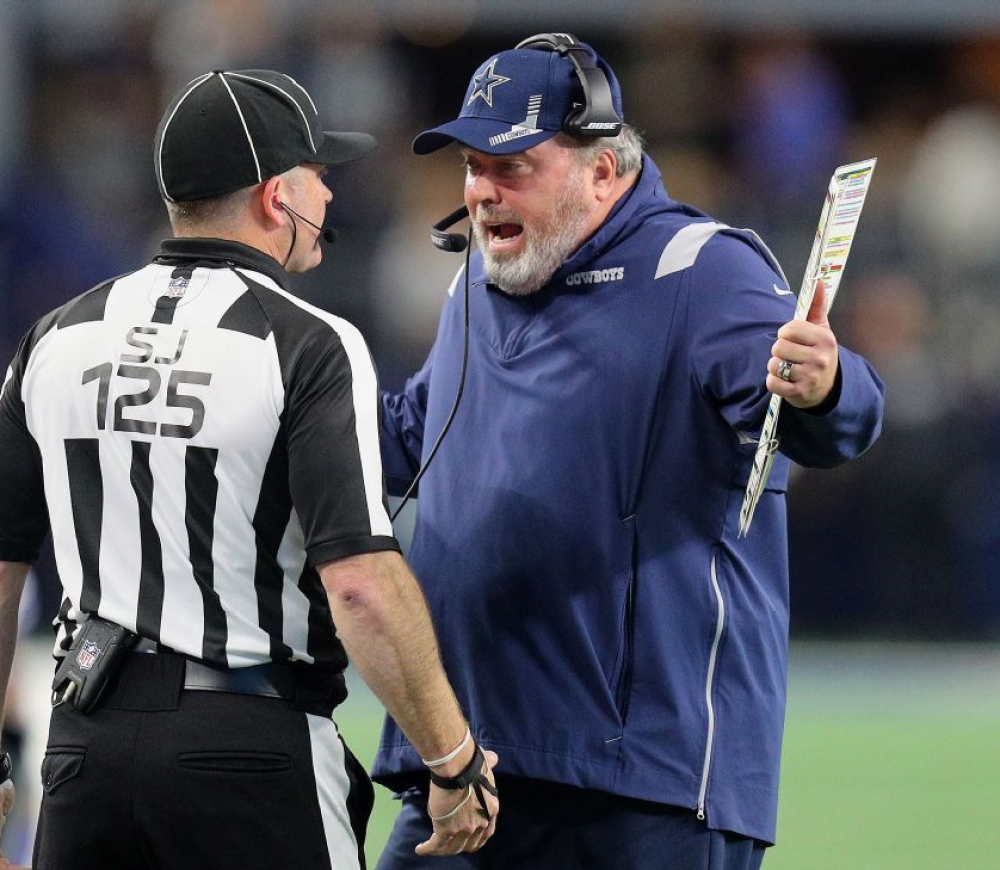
(226,130)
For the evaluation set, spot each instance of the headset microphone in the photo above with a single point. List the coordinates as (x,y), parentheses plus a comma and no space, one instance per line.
(454,243)
(329,234)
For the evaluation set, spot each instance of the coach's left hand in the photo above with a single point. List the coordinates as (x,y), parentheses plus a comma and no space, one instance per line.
(812,348)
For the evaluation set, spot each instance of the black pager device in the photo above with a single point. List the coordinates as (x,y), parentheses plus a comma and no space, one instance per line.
(97,653)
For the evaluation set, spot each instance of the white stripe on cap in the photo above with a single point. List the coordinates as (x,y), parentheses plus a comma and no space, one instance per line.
(243,121)
(294,102)
(311,103)
(159,154)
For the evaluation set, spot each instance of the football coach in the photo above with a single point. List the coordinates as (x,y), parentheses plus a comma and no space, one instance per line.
(602,622)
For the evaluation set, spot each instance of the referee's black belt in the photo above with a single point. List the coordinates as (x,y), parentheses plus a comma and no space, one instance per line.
(146,681)
(266,680)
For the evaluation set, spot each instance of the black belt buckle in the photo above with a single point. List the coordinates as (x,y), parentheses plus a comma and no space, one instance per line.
(94,658)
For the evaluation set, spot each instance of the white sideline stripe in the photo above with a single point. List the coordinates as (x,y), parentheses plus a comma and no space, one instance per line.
(243,121)
(159,154)
(683,249)
(332,790)
(289,97)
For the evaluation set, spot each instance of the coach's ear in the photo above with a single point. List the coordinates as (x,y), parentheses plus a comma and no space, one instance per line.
(604,172)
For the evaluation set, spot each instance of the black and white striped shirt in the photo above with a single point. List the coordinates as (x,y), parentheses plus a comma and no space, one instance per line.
(198,439)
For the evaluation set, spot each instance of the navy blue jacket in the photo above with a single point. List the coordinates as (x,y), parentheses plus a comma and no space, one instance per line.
(601,622)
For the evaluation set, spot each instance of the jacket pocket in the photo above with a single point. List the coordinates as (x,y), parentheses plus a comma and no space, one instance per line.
(621,683)
(60,765)
(234,761)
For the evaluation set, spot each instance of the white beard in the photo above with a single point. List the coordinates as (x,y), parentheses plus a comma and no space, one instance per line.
(547,243)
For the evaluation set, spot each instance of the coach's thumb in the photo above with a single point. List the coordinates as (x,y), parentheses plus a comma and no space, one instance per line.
(817,311)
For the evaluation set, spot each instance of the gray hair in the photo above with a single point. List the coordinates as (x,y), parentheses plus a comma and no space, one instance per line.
(626,146)
(206,215)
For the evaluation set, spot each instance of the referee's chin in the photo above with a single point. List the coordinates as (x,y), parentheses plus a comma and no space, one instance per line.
(296,265)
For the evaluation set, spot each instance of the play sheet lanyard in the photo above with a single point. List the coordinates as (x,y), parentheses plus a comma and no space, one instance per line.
(834,235)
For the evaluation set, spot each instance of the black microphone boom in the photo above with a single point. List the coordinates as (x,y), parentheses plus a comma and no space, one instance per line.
(329,234)
(452,242)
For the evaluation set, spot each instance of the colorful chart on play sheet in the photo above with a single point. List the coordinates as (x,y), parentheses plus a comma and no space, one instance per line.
(838,223)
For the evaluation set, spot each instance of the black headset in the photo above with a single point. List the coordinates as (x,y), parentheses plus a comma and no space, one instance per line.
(596,116)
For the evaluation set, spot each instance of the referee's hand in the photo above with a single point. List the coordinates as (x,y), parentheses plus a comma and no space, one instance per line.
(468,829)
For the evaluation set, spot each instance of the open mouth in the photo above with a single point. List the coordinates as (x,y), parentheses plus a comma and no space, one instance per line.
(503,233)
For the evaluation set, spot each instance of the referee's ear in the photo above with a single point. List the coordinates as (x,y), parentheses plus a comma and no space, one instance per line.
(270,195)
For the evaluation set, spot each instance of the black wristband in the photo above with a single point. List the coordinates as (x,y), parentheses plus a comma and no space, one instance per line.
(466,778)
(6,767)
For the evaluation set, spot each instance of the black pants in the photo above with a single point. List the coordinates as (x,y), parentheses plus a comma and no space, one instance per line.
(161,778)
(548,826)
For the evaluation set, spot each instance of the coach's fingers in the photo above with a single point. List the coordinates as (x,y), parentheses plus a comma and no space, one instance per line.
(818,309)
(440,845)
(454,815)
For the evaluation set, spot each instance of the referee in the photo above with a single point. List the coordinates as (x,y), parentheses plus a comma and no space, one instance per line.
(204,447)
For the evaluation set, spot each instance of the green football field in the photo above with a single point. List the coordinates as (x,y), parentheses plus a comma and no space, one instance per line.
(891,762)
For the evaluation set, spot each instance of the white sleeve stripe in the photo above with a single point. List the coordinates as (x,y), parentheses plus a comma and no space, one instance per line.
(454,281)
(364,389)
(683,249)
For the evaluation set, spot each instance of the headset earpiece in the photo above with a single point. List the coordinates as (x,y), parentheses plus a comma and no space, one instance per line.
(597,115)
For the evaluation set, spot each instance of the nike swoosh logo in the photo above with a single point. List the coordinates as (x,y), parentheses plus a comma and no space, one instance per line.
(781,291)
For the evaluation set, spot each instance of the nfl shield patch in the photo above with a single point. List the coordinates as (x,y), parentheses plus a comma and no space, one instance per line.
(87,655)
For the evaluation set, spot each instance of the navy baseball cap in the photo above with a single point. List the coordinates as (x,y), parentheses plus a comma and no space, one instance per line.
(230,129)
(517,99)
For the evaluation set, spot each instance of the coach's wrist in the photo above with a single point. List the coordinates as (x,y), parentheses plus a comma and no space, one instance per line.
(456,760)
(458,764)
(6,767)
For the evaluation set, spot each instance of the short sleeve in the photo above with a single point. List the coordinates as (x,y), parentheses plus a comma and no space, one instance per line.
(332,430)
(24,519)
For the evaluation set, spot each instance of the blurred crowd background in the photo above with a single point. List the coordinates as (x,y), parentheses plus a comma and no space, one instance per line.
(746,108)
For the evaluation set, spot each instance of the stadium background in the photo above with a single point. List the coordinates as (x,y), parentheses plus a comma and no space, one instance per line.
(894,713)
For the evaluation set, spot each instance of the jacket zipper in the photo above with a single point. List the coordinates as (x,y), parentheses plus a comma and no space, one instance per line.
(709,680)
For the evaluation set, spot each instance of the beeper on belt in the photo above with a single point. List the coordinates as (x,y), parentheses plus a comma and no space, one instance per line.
(96,655)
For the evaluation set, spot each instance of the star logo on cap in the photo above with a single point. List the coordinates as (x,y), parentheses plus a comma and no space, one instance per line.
(485,82)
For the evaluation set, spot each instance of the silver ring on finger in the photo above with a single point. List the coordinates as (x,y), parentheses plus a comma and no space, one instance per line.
(785,370)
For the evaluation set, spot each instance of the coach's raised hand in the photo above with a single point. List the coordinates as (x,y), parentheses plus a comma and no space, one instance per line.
(804,359)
